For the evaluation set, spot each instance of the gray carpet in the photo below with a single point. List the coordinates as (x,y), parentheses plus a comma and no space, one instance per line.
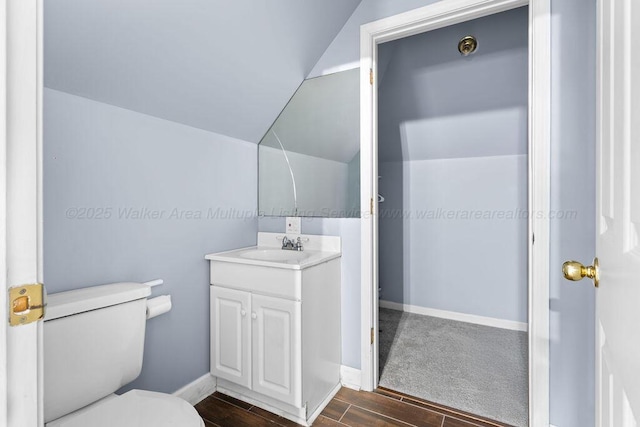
(479,369)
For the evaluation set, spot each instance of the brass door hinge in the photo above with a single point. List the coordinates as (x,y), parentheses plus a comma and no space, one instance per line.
(371,76)
(26,304)
(372,336)
(371,206)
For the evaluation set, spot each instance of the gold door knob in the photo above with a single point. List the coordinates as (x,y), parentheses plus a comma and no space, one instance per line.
(573,270)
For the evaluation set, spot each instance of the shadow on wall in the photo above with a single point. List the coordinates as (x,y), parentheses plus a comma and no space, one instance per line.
(393,232)
(428,79)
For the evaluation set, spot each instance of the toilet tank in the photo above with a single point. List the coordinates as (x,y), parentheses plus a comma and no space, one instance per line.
(93,344)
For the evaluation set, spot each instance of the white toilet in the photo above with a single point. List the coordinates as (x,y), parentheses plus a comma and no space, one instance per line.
(93,345)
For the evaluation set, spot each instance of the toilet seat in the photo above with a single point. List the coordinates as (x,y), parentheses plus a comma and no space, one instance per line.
(135,408)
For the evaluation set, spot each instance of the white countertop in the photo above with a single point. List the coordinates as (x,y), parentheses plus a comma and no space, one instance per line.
(269,253)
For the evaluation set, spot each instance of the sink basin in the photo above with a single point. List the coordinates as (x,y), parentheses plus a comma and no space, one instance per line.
(277,255)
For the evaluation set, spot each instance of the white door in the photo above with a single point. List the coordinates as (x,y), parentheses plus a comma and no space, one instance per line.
(20,232)
(618,215)
(276,348)
(231,335)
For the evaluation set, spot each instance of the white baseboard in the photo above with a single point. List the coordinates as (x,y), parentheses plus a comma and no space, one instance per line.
(452,315)
(197,390)
(350,377)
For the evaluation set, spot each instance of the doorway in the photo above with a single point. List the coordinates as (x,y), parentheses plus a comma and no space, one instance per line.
(452,182)
(439,15)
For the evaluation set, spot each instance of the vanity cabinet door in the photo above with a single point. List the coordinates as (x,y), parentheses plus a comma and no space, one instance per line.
(231,335)
(276,349)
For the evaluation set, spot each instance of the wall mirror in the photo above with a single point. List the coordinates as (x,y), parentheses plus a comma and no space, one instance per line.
(309,160)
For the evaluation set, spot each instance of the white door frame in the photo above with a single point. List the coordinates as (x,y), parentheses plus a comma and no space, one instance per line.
(20,206)
(431,17)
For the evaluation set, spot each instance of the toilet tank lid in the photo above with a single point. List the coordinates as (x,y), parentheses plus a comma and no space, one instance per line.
(86,299)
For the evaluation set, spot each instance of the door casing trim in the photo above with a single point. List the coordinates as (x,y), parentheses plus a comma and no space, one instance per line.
(441,14)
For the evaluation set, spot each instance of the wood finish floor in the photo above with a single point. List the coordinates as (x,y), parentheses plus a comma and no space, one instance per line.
(382,408)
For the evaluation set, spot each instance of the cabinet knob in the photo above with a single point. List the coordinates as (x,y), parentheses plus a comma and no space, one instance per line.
(242,312)
(254,316)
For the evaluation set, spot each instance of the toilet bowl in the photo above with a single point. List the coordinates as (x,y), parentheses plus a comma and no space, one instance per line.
(93,345)
(134,408)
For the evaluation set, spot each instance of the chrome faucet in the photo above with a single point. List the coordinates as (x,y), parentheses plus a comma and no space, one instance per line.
(291,244)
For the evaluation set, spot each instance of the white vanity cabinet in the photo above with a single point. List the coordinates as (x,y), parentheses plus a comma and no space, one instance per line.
(275,325)
(230,335)
(256,342)
(276,348)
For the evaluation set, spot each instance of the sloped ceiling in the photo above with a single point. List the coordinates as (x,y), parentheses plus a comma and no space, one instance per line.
(227,66)
(436,104)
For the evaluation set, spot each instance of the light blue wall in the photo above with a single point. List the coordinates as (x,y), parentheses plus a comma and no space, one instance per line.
(97,156)
(473,106)
(394,231)
(465,214)
(453,141)
(573,188)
